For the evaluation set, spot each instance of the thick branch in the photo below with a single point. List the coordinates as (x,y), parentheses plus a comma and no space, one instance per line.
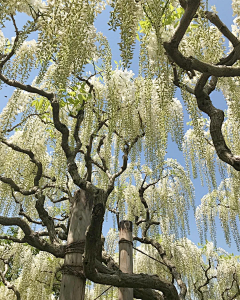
(16,188)
(191,7)
(93,238)
(80,116)
(70,155)
(208,279)
(62,128)
(31,237)
(203,89)
(172,268)
(46,219)
(136,281)
(191,63)
(18,222)
(27,88)
(144,294)
(213,17)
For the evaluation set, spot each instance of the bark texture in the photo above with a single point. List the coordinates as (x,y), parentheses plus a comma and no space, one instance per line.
(73,280)
(125,256)
(224,68)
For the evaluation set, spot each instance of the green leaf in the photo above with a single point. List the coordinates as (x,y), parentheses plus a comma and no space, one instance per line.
(72,94)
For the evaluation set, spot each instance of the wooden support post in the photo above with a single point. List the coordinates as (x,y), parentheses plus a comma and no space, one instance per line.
(125,256)
(73,285)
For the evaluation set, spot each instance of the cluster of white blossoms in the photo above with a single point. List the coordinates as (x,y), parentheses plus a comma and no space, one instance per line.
(2,41)
(222,202)
(111,242)
(168,201)
(236,27)
(30,7)
(236,7)
(130,108)
(196,264)
(27,269)
(24,61)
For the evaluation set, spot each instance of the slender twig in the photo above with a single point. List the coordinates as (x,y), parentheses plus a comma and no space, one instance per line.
(32,159)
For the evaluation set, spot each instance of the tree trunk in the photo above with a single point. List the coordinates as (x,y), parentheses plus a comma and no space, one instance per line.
(73,287)
(125,256)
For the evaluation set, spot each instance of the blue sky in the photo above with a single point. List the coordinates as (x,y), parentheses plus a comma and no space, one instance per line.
(224,10)
(225,13)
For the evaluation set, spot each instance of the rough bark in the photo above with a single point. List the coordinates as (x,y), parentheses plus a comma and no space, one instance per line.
(168,263)
(125,256)
(117,278)
(224,68)
(73,280)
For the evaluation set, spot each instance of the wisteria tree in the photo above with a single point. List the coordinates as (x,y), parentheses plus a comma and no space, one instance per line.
(81,138)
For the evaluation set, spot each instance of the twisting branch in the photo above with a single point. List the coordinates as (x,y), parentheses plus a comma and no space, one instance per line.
(24,120)
(148,222)
(208,279)
(31,155)
(46,219)
(235,280)
(62,128)
(100,144)
(203,89)
(12,52)
(16,188)
(172,268)
(70,155)
(79,117)
(31,237)
(122,169)
(5,281)
(112,267)
(24,87)
(22,213)
(127,148)
(87,156)
(179,84)
(118,279)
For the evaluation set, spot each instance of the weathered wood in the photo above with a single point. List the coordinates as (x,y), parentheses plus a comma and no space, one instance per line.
(73,287)
(125,256)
